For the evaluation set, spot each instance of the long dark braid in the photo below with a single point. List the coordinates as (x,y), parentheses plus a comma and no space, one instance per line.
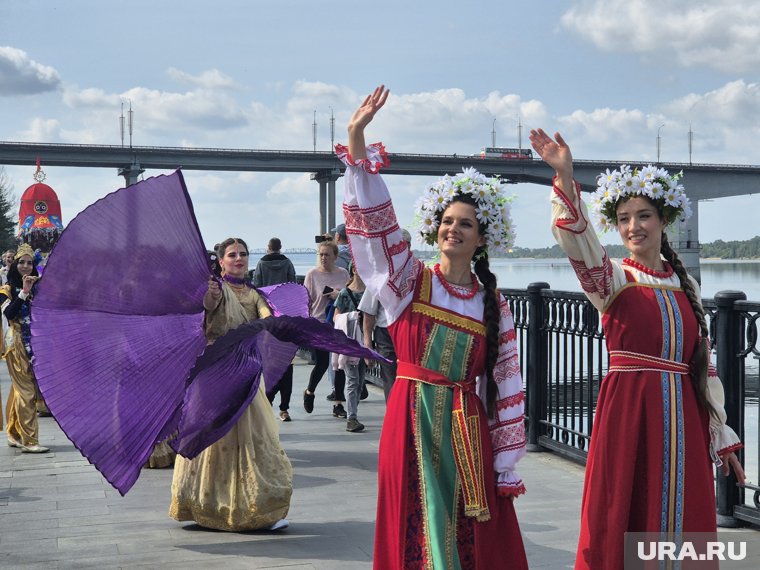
(700,359)
(491,318)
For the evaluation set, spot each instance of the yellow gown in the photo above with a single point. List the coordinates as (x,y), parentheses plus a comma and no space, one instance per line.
(244,481)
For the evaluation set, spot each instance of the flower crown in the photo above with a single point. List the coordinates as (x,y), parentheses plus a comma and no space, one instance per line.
(492,207)
(650,181)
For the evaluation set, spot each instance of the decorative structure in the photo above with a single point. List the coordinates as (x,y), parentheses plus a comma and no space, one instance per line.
(39,217)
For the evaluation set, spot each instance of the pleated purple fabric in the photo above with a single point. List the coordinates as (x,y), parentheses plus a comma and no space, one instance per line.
(117,329)
(117,323)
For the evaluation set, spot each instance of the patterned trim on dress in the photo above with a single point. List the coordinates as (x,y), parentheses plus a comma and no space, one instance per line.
(608,302)
(417,396)
(594,279)
(575,222)
(509,435)
(376,159)
(449,318)
(671,514)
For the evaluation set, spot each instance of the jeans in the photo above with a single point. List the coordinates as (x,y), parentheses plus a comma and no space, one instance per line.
(354,384)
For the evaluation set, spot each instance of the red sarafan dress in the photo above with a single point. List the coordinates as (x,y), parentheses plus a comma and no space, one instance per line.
(446,473)
(649,465)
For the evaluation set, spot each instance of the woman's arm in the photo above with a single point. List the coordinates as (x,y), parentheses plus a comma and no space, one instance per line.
(508,427)
(598,276)
(213,295)
(381,256)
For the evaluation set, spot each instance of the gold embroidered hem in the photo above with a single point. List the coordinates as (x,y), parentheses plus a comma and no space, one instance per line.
(242,482)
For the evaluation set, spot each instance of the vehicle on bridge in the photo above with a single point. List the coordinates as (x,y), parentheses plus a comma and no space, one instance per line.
(508,153)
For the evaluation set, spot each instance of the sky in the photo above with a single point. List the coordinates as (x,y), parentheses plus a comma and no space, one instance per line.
(608,74)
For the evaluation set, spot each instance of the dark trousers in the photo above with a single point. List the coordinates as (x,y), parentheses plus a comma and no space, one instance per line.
(384,345)
(285,388)
(323,361)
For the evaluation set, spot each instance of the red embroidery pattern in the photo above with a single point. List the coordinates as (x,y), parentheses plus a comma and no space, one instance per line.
(506,370)
(575,222)
(511,487)
(403,281)
(400,247)
(510,401)
(376,159)
(711,370)
(508,336)
(508,435)
(594,279)
(370,222)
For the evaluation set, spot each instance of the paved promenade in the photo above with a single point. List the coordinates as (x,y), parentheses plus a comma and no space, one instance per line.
(56,511)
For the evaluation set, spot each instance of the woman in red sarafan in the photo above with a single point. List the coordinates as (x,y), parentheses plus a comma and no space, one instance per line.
(454,426)
(660,410)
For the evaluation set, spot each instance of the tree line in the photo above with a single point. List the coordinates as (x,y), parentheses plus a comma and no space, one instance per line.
(746,249)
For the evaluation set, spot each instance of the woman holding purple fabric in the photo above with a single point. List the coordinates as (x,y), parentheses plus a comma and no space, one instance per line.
(244,481)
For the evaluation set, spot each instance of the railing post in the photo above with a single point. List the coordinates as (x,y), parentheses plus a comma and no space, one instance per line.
(730,366)
(537,373)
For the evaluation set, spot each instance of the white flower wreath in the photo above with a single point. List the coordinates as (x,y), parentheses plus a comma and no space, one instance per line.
(492,207)
(650,181)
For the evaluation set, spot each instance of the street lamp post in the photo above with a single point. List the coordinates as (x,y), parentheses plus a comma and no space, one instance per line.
(658,142)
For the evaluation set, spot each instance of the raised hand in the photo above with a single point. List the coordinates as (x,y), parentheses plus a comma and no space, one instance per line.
(371,105)
(555,153)
(361,118)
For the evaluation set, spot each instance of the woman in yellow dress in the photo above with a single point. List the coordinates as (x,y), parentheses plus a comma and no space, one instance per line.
(244,481)
(15,301)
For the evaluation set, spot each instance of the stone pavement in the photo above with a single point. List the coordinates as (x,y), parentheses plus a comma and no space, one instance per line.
(56,511)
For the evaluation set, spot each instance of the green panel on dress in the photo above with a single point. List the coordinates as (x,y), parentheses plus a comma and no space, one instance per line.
(447,351)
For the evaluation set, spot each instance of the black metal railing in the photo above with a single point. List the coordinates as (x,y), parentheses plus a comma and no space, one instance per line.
(563,358)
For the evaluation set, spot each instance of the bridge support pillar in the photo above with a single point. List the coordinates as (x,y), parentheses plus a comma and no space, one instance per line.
(131,173)
(684,238)
(326,179)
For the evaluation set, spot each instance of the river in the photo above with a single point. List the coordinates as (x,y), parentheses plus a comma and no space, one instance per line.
(717,275)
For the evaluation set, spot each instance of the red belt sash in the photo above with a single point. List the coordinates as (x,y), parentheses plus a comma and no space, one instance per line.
(625,361)
(465,435)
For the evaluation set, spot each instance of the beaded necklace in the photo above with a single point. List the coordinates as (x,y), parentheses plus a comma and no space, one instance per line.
(451,288)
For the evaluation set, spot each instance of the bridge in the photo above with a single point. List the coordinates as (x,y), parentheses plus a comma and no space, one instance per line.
(703,181)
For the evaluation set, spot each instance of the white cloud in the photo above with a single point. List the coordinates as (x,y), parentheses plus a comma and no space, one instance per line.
(209,79)
(721,34)
(20,75)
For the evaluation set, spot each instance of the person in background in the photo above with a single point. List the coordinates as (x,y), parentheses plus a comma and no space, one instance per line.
(347,305)
(244,481)
(659,414)
(15,300)
(7,259)
(376,335)
(344,250)
(323,283)
(272,269)
(454,424)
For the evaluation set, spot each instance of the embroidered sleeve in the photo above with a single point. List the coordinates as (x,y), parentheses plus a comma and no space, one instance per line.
(381,256)
(508,427)
(376,159)
(723,439)
(598,276)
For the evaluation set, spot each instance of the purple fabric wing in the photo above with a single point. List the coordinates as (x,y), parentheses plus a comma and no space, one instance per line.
(117,323)
(227,375)
(287,299)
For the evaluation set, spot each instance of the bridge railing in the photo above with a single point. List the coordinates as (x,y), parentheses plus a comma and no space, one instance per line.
(563,358)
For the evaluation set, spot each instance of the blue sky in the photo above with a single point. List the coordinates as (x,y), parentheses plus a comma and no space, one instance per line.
(247,74)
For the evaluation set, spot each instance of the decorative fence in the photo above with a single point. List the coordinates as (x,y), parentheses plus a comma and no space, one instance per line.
(563,358)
